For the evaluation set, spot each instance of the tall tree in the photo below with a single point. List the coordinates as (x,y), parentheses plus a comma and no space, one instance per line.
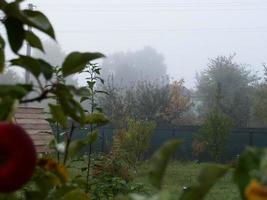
(113,103)
(260,102)
(153,101)
(216,129)
(127,68)
(236,84)
(179,104)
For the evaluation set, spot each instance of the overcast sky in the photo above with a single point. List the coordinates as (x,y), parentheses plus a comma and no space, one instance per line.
(186,32)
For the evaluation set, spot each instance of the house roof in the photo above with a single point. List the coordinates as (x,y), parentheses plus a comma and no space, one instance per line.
(32,119)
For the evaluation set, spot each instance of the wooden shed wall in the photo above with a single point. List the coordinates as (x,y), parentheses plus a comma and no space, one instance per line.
(32,119)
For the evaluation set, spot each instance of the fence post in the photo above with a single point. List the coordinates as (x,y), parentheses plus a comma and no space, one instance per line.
(103,140)
(173,135)
(250,138)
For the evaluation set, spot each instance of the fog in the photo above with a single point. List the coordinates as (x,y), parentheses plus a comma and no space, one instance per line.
(186,33)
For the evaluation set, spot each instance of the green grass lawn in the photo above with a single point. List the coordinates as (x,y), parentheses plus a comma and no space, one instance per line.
(184,174)
(180,174)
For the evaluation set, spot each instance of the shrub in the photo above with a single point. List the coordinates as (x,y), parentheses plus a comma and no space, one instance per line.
(111,176)
(108,187)
(198,147)
(134,140)
(215,132)
(112,173)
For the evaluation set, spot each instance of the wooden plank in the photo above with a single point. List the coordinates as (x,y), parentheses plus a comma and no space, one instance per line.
(31,121)
(30,110)
(39,132)
(42,149)
(29,116)
(41,137)
(41,142)
(35,126)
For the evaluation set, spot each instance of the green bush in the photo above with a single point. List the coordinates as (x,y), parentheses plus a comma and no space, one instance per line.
(111,176)
(134,140)
(215,133)
(108,187)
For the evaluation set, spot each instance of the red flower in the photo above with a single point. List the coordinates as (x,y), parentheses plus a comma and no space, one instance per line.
(17,157)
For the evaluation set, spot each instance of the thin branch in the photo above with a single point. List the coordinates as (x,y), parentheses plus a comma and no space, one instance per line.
(40,84)
(39,98)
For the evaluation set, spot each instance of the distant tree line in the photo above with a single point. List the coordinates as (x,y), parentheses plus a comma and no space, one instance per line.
(149,101)
(243,93)
(138,87)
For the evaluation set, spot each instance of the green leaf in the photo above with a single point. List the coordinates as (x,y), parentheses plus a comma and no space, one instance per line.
(7,107)
(84,99)
(102,92)
(81,91)
(2,54)
(46,69)
(27,87)
(77,145)
(102,80)
(209,175)
(96,118)
(29,64)
(68,192)
(9,96)
(99,109)
(50,120)
(97,71)
(249,161)
(73,109)
(160,161)
(58,115)
(91,84)
(2,42)
(13,10)
(15,33)
(76,62)
(76,194)
(33,40)
(68,104)
(31,18)
(8,196)
(15,91)
(44,182)
(39,21)
(59,193)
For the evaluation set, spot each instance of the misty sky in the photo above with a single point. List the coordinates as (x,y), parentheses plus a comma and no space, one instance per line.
(186,32)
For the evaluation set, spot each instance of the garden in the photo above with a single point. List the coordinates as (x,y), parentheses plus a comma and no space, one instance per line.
(72,169)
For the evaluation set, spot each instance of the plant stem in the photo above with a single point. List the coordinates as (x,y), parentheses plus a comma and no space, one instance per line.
(90,145)
(57,133)
(69,138)
(57,136)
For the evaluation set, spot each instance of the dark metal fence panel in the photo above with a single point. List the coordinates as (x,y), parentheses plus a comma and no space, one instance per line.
(159,137)
(185,150)
(106,138)
(237,142)
(239,139)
